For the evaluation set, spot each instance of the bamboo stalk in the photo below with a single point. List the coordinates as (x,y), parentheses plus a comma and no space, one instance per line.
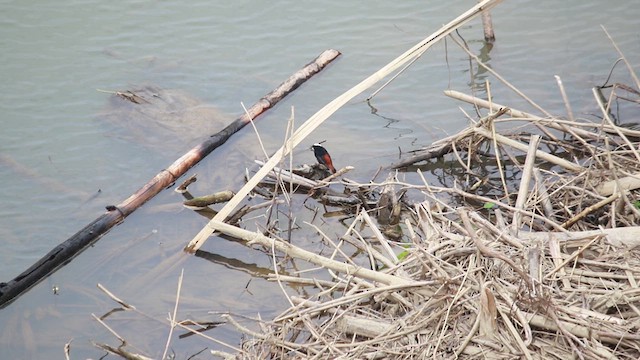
(91,233)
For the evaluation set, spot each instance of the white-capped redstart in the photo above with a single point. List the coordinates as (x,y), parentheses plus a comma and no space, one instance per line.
(323,157)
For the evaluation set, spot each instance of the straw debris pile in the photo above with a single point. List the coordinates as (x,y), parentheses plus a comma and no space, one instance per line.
(516,256)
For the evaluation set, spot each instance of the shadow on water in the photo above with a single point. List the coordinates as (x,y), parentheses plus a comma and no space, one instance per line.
(478,73)
(235,264)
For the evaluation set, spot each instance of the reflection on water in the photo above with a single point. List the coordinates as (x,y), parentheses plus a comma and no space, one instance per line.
(162,119)
(234,264)
(57,151)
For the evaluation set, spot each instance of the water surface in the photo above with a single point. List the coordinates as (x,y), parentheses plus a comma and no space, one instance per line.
(58,154)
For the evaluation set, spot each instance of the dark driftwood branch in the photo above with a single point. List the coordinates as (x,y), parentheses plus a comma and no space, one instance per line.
(66,251)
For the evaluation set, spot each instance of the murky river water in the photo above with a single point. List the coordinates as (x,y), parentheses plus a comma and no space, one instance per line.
(61,162)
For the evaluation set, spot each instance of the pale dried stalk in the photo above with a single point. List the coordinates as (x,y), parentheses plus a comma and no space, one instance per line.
(496,150)
(350,324)
(572,257)
(543,193)
(286,344)
(525,180)
(515,334)
(172,318)
(113,332)
(499,204)
(499,234)
(582,331)
(565,98)
(133,308)
(351,298)
(224,355)
(278,173)
(367,248)
(115,298)
(556,258)
(487,251)
(120,351)
(306,281)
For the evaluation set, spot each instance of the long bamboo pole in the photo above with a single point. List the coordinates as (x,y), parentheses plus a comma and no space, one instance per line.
(73,246)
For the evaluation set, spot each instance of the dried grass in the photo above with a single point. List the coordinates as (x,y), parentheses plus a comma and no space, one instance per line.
(544,264)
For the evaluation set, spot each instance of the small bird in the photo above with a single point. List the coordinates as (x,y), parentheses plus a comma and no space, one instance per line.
(323,157)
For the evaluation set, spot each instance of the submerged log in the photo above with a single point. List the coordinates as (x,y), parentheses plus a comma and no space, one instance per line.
(66,251)
(202,202)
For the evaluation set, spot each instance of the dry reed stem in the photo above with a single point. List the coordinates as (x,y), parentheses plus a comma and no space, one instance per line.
(296,252)
(522,147)
(617,129)
(121,352)
(630,182)
(525,180)
(172,317)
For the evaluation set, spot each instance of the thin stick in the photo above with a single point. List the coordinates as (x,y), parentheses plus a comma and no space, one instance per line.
(67,350)
(172,318)
(487,27)
(113,332)
(486,251)
(629,67)
(617,129)
(115,298)
(573,256)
